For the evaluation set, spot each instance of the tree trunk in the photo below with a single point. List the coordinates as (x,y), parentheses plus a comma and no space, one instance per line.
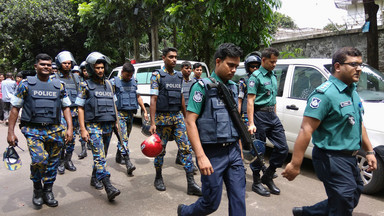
(155,38)
(371,9)
(136,49)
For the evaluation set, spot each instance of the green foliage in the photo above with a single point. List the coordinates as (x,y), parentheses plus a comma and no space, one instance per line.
(291,52)
(332,27)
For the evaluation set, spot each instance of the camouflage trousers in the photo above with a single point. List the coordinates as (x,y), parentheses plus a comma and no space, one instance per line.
(179,133)
(126,128)
(44,149)
(99,145)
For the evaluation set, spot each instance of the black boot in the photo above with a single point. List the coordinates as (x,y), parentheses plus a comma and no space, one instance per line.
(178,161)
(68,164)
(112,192)
(94,182)
(83,152)
(265,168)
(61,167)
(195,169)
(129,165)
(119,158)
(159,183)
(258,187)
(267,179)
(48,197)
(193,188)
(89,146)
(37,198)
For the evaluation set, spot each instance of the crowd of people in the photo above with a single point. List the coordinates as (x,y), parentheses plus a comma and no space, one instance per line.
(64,99)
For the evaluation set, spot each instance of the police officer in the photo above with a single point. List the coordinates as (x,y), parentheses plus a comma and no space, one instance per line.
(333,117)
(65,63)
(42,99)
(83,76)
(97,118)
(167,119)
(214,139)
(128,101)
(261,110)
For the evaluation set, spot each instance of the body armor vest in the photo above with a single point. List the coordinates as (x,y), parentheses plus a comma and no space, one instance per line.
(126,95)
(214,123)
(169,98)
(42,103)
(71,85)
(186,89)
(99,103)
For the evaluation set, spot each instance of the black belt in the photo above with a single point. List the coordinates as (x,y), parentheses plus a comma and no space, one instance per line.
(342,152)
(219,144)
(265,109)
(23,123)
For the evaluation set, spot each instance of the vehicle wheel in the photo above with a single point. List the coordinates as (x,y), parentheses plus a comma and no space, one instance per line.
(373,181)
(142,116)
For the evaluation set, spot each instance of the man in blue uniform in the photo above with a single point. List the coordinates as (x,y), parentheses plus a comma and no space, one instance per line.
(65,62)
(128,101)
(333,118)
(167,111)
(42,100)
(261,110)
(97,118)
(215,140)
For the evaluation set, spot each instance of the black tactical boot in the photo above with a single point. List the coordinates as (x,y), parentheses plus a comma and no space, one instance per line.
(61,167)
(193,188)
(48,197)
(159,183)
(94,182)
(112,192)
(89,145)
(258,187)
(37,198)
(119,158)
(267,179)
(83,152)
(129,165)
(195,169)
(264,168)
(68,164)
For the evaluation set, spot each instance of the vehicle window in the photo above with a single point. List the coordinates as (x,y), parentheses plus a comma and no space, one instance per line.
(281,73)
(371,84)
(113,74)
(143,75)
(240,73)
(305,80)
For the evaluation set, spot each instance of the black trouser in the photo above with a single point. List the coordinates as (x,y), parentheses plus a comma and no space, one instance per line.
(269,126)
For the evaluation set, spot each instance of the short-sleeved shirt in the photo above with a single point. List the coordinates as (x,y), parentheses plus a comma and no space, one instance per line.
(263,84)
(18,101)
(93,127)
(339,109)
(163,118)
(197,95)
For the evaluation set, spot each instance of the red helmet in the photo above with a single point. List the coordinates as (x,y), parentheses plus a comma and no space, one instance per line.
(152,146)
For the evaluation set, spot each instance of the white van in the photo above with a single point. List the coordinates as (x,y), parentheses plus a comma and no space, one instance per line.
(143,73)
(293,76)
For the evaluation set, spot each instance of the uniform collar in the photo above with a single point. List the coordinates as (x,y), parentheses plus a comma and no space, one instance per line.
(340,85)
(265,71)
(166,71)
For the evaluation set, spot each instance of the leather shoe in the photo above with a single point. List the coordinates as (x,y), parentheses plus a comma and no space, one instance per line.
(37,199)
(267,180)
(260,189)
(297,211)
(49,199)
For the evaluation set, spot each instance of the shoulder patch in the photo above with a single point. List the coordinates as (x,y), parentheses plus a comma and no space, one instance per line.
(315,103)
(251,83)
(323,87)
(198,96)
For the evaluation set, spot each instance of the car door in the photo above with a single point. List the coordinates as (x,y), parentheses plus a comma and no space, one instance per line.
(301,80)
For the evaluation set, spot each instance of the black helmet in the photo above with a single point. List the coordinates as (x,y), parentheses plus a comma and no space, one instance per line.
(94,57)
(64,56)
(251,59)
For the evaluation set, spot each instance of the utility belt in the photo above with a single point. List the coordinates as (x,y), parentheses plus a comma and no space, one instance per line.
(30,124)
(265,109)
(340,152)
(216,145)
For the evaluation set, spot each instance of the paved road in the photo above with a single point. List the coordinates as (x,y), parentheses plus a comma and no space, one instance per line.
(139,197)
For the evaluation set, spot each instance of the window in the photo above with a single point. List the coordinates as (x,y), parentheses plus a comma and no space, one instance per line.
(143,75)
(305,80)
(281,73)
(371,84)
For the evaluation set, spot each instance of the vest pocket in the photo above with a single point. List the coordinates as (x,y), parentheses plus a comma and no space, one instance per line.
(223,125)
(45,108)
(207,130)
(174,97)
(104,106)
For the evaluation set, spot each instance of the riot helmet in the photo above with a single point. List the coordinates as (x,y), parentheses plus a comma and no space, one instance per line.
(76,69)
(64,56)
(152,146)
(251,59)
(93,58)
(82,65)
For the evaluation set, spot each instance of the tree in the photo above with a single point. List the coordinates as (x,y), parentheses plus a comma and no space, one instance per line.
(28,27)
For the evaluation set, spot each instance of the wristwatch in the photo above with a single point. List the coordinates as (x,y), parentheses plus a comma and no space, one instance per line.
(370,153)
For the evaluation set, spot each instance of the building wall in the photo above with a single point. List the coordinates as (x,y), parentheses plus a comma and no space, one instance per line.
(324,45)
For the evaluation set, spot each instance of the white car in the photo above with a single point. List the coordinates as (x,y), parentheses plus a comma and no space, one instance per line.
(143,73)
(293,77)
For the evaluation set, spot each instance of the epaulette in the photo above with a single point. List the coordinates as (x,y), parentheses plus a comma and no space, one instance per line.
(155,73)
(256,73)
(323,87)
(201,83)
